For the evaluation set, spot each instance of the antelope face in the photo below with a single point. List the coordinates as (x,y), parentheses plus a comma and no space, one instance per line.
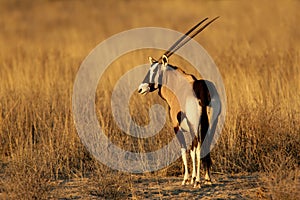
(153,78)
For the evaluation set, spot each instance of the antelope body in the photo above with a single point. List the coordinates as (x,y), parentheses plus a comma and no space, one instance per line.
(194,107)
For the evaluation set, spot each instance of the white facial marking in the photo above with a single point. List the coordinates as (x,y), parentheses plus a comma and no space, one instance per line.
(154,72)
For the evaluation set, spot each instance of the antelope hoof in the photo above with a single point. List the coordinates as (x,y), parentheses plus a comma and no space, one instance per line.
(185,182)
(208,182)
(193,180)
(197,185)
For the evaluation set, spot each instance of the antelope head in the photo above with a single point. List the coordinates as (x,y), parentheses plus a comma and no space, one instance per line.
(153,78)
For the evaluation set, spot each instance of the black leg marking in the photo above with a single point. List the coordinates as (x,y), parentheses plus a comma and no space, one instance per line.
(180,116)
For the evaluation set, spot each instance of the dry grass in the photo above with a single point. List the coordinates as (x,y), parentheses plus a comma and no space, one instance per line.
(255,45)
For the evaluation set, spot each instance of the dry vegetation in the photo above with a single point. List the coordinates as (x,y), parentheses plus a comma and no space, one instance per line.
(42,43)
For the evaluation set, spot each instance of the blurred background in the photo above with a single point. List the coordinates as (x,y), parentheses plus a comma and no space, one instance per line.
(255,44)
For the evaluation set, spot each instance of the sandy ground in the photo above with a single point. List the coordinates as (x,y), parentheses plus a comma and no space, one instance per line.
(238,186)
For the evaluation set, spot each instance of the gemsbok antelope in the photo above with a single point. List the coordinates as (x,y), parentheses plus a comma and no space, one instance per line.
(194,106)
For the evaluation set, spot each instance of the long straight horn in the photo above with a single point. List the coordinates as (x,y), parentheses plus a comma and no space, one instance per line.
(174,47)
(183,37)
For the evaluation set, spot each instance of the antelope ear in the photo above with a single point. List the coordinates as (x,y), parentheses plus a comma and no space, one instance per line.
(151,60)
(165,60)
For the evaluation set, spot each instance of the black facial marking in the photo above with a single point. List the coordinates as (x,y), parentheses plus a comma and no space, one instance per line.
(152,88)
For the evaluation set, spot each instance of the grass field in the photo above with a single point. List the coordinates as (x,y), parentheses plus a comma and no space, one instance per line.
(42,44)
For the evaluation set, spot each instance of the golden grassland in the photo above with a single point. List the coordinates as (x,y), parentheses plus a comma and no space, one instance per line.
(42,43)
